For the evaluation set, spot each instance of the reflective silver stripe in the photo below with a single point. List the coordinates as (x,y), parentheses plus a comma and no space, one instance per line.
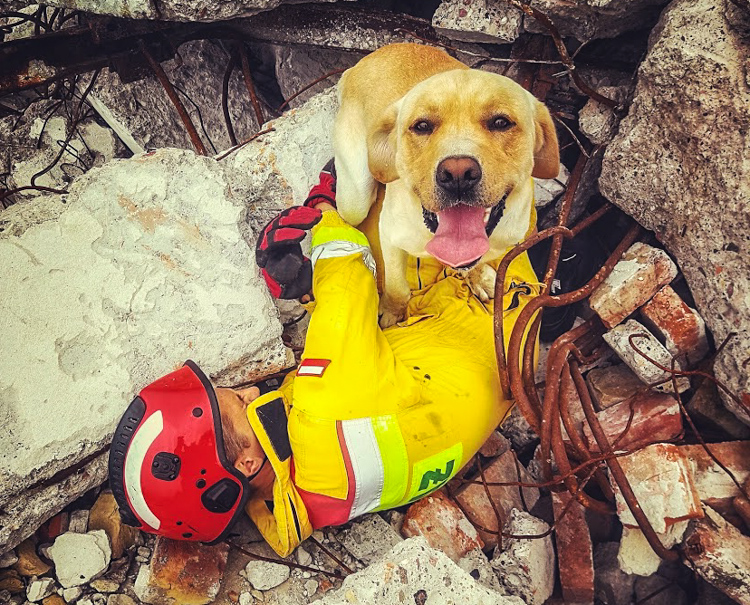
(341,248)
(369,474)
(142,440)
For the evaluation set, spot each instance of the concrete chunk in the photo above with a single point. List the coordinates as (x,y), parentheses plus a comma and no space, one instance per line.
(478,21)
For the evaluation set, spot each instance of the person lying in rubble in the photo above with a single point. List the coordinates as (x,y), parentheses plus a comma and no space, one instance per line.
(371,420)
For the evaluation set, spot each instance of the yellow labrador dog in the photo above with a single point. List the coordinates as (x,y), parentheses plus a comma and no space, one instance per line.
(457,148)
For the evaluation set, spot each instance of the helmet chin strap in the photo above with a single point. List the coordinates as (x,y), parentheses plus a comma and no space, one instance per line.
(252,477)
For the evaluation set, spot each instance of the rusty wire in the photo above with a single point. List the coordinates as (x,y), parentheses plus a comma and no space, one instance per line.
(252,555)
(250,85)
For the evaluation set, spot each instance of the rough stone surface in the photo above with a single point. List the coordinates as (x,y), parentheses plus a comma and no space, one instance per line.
(156,123)
(183,572)
(597,121)
(612,585)
(655,417)
(679,326)
(264,575)
(146,229)
(619,339)
(669,593)
(369,538)
(298,67)
(79,521)
(478,566)
(548,190)
(29,564)
(637,276)
(612,384)
(721,555)
(105,514)
(526,568)
(591,19)
(575,556)
(711,482)
(120,599)
(438,519)
(693,188)
(473,498)
(413,570)
(170,10)
(80,558)
(707,410)
(478,21)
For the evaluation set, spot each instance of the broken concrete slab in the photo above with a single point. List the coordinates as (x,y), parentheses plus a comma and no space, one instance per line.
(412,571)
(637,276)
(692,188)
(526,566)
(478,21)
(169,10)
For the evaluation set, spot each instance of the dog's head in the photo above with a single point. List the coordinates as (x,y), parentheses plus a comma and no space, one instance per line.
(462,141)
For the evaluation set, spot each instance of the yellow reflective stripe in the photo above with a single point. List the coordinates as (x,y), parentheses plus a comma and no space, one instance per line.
(343,233)
(395,460)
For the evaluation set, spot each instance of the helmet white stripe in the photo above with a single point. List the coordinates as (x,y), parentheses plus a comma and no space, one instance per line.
(142,440)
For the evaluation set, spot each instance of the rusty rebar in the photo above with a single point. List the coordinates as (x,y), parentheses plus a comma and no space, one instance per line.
(172,94)
(250,85)
(616,470)
(252,555)
(225,98)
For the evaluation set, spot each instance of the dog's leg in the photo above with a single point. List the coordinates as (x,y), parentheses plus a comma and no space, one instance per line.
(396,292)
(355,187)
(481,281)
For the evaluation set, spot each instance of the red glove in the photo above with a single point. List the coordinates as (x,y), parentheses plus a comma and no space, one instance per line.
(325,190)
(278,253)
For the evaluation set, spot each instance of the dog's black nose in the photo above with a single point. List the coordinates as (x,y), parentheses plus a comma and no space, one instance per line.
(458,174)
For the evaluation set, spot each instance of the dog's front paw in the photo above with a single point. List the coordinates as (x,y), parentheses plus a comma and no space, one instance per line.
(481,281)
(391,311)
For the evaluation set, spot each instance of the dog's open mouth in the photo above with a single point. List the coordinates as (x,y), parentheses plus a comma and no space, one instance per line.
(461,232)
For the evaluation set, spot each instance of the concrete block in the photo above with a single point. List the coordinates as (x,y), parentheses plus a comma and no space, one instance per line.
(639,274)
(473,498)
(526,567)
(80,558)
(681,327)
(182,572)
(442,524)
(619,339)
(412,571)
(575,556)
(369,538)
(477,21)
(612,384)
(655,417)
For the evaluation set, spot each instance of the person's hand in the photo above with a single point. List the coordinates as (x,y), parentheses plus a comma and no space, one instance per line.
(278,253)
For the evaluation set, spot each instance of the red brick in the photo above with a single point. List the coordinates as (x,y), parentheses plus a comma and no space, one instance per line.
(641,272)
(474,501)
(188,573)
(683,330)
(575,554)
(54,527)
(656,418)
(443,525)
(495,445)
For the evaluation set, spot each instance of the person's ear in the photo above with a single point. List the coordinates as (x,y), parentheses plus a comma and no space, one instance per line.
(248,395)
(248,463)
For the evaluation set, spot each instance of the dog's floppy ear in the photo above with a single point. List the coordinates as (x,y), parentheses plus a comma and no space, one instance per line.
(381,146)
(546,149)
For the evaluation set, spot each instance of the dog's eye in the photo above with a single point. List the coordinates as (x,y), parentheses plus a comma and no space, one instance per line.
(422,127)
(499,123)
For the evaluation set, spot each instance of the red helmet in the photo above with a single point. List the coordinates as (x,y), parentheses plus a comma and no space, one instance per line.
(167,466)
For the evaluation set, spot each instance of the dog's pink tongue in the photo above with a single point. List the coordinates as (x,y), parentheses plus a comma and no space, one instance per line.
(460,237)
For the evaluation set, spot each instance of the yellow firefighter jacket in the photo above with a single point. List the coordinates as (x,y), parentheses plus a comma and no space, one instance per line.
(375,419)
